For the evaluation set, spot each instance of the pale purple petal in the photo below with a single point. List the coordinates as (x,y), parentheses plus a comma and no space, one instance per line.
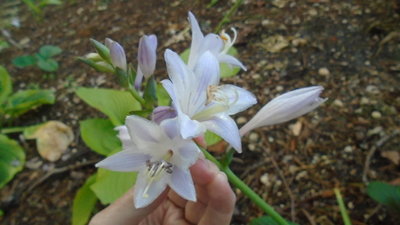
(170,127)
(213,43)
(177,69)
(108,42)
(207,71)
(189,128)
(124,161)
(239,98)
(142,199)
(143,131)
(286,107)
(188,154)
(181,182)
(197,39)
(138,78)
(230,60)
(162,113)
(225,127)
(147,56)
(118,57)
(123,135)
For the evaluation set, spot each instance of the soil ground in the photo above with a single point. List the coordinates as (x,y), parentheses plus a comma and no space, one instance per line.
(351,48)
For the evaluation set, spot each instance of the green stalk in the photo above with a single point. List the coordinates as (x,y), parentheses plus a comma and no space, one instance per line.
(342,207)
(9,130)
(247,190)
(136,96)
(228,15)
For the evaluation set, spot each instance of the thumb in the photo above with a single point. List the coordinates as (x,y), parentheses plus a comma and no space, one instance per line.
(122,211)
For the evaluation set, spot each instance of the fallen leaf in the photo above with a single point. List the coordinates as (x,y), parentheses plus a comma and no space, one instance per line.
(393,156)
(52,139)
(275,43)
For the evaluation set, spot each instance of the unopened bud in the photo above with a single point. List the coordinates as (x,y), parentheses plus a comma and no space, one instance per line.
(117,53)
(147,54)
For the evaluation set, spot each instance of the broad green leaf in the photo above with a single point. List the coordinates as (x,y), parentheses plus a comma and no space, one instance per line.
(48,65)
(111,185)
(47,51)
(103,51)
(84,203)
(24,61)
(211,138)
(12,159)
(267,220)
(225,69)
(29,132)
(115,104)
(162,96)
(100,136)
(24,101)
(5,84)
(385,194)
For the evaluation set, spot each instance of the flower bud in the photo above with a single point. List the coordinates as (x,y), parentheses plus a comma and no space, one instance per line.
(286,107)
(162,113)
(147,54)
(103,67)
(95,57)
(118,57)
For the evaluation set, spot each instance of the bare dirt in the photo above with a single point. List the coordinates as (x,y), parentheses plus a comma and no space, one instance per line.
(351,48)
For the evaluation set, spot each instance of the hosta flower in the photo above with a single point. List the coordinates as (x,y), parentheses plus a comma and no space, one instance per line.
(217,45)
(117,53)
(160,156)
(200,102)
(146,58)
(286,107)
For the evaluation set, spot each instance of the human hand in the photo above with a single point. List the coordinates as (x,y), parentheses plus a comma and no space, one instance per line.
(214,206)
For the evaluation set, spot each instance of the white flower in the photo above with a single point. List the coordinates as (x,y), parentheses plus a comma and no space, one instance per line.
(217,45)
(160,156)
(200,103)
(286,107)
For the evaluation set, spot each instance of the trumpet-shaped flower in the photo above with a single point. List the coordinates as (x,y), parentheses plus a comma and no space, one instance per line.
(218,45)
(200,103)
(146,58)
(117,53)
(160,156)
(286,107)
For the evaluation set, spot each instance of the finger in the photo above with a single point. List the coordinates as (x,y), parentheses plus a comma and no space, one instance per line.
(203,172)
(221,202)
(194,211)
(122,211)
(176,199)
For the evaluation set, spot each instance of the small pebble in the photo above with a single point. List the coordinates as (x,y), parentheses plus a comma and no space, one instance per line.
(252,147)
(241,120)
(264,179)
(323,71)
(376,115)
(254,137)
(338,103)
(348,149)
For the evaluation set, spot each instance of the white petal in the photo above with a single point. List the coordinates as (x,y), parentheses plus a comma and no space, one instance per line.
(286,107)
(225,127)
(239,98)
(225,58)
(189,128)
(177,69)
(170,127)
(139,78)
(142,199)
(181,182)
(213,43)
(124,161)
(197,39)
(207,71)
(123,135)
(188,153)
(144,132)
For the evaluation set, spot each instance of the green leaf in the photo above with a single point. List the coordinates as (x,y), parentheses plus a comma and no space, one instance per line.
(48,65)
(111,185)
(103,51)
(100,136)
(24,61)
(5,84)
(267,220)
(225,69)
(162,96)
(24,101)
(44,3)
(48,51)
(115,104)
(12,159)
(211,138)
(3,45)
(84,203)
(385,194)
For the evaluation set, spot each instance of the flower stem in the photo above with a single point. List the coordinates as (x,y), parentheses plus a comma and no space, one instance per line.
(247,190)
(342,207)
(9,130)
(136,95)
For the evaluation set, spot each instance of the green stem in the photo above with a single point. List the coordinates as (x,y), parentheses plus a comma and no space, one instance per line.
(9,130)
(136,96)
(342,207)
(247,190)
(228,15)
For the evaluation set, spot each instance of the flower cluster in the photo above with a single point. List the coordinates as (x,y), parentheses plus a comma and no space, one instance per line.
(162,150)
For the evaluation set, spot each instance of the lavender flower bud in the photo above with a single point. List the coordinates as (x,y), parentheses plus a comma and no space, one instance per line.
(117,53)
(147,54)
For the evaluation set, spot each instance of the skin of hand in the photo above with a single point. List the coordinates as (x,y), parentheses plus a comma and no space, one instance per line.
(214,206)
